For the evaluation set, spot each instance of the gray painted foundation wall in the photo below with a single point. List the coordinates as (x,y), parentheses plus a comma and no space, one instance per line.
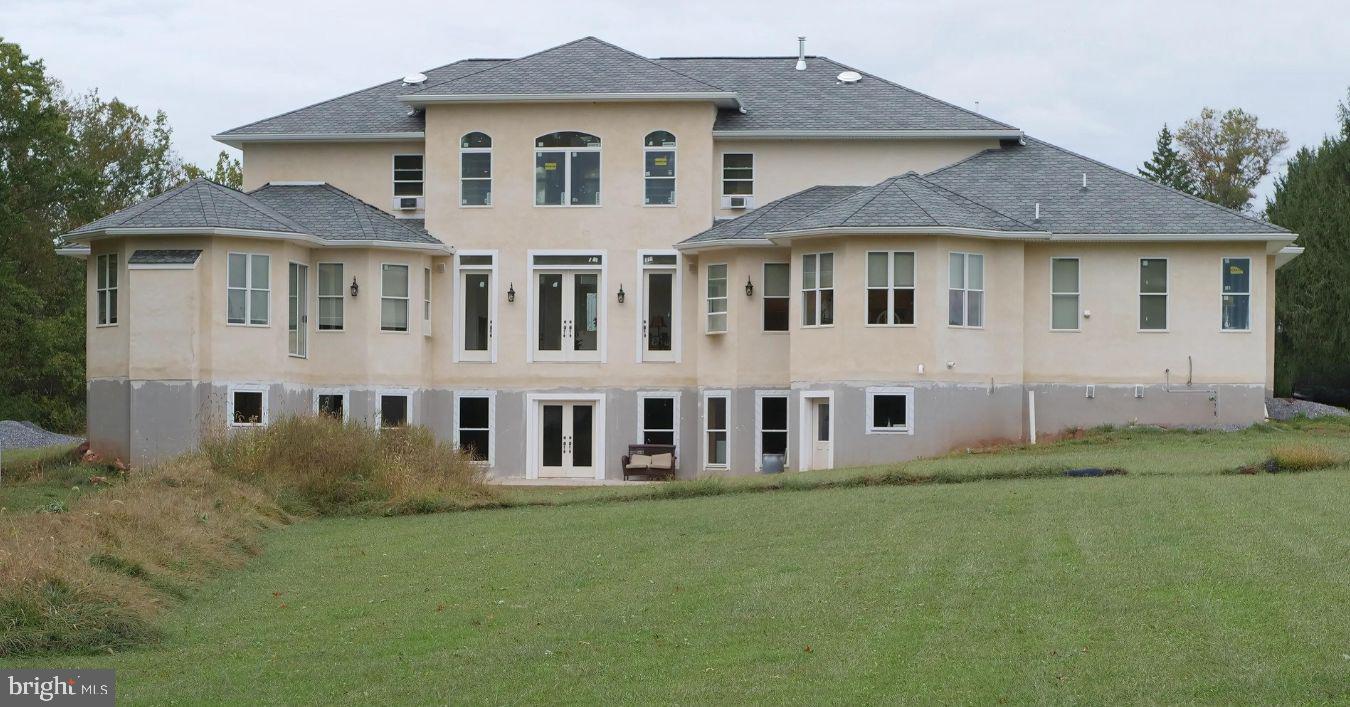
(142,421)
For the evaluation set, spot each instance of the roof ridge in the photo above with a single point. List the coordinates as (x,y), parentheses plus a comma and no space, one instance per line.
(980,204)
(653,62)
(925,95)
(247,200)
(917,205)
(836,202)
(880,189)
(207,203)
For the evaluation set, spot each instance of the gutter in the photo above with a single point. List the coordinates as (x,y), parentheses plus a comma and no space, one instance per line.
(1004,134)
(237,140)
(307,239)
(721,243)
(723,99)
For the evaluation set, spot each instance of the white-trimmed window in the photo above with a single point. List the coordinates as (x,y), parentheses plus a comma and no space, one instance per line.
(475,170)
(738,174)
(249,289)
(890,288)
(105,268)
(247,406)
(408,175)
(331,297)
(474,413)
(771,425)
(426,301)
(333,402)
(1064,291)
(717,298)
(567,169)
(394,408)
(965,290)
(660,418)
(658,159)
(1153,294)
(716,429)
(1236,298)
(393,297)
(818,289)
(777,295)
(890,410)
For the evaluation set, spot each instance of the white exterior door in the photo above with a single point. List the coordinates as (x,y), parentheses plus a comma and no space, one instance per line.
(568,316)
(567,440)
(658,315)
(476,315)
(822,450)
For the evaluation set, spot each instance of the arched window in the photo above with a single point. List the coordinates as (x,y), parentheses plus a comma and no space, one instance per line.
(475,170)
(659,169)
(567,169)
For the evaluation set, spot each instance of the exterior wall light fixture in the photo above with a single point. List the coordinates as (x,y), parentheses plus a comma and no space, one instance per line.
(749,287)
(511,293)
(621,293)
(355,288)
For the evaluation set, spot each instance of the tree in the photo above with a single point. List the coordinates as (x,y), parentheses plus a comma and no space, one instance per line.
(1229,154)
(228,171)
(1312,304)
(1166,167)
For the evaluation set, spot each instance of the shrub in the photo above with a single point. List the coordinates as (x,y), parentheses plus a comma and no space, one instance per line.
(1302,457)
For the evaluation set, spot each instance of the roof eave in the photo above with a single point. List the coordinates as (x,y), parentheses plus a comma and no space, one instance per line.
(237,140)
(999,134)
(782,237)
(304,238)
(1274,241)
(1286,254)
(723,99)
(724,243)
(74,252)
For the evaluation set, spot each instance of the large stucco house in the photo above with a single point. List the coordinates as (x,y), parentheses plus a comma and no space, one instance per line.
(550,258)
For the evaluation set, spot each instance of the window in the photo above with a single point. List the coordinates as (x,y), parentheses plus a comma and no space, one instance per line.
(659,306)
(1064,294)
(247,406)
(738,174)
(1237,294)
(473,425)
(1153,294)
(394,410)
(407,175)
(890,410)
(659,169)
(297,310)
(773,425)
(393,297)
(249,293)
(331,403)
(965,290)
(717,298)
(426,301)
(475,170)
(567,170)
(106,272)
(818,289)
(474,314)
(330,296)
(890,288)
(777,292)
(658,423)
(716,439)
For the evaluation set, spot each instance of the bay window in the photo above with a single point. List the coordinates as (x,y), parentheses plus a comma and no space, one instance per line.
(965,290)
(248,289)
(818,289)
(890,288)
(393,297)
(106,274)
(717,298)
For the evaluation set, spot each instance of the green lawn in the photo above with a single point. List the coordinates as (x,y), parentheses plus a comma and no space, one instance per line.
(1171,584)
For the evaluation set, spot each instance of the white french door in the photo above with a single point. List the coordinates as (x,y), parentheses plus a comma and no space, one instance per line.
(658,315)
(567,439)
(567,315)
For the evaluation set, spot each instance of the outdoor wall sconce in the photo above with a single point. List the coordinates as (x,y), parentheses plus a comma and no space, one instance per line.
(511,293)
(621,293)
(355,287)
(749,287)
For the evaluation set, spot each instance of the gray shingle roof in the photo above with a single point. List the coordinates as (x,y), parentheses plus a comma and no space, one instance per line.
(1015,178)
(907,201)
(200,203)
(335,215)
(164,257)
(586,65)
(775,215)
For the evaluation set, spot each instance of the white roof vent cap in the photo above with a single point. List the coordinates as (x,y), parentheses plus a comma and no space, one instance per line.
(849,77)
(414,79)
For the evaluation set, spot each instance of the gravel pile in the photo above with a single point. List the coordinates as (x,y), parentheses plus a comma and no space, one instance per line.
(1288,408)
(26,435)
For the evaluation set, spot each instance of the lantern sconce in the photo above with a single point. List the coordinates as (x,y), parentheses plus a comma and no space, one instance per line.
(621,295)
(749,287)
(511,293)
(355,287)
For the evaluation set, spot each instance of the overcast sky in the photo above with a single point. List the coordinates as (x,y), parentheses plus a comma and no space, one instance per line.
(1096,77)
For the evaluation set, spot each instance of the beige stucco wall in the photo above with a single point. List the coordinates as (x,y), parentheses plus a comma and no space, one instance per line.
(363,169)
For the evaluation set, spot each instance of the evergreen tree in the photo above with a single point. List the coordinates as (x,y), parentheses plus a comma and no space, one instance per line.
(1166,166)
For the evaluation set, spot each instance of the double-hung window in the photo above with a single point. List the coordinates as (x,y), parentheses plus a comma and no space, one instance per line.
(1064,290)
(393,297)
(659,169)
(1153,294)
(426,301)
(716,429)
(475,170)
(567,169)
(890,288)
(248,289)
(106,272)
(738,174)
(1237,294)
(777,293)
(473,425)
(818,289)
(773,425)
(330,297)
(408,175)
(717,298)
(965,290)
(660,418)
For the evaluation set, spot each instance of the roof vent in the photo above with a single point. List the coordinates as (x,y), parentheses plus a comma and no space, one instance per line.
(801,53)
(414,79)
(849,77)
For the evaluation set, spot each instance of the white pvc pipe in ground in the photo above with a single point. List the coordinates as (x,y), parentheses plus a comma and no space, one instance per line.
(1031,409)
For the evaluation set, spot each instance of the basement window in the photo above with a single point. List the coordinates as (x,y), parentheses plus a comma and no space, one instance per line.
(473,426)
(331,404)
(890,410)
(394,410)
(247,406)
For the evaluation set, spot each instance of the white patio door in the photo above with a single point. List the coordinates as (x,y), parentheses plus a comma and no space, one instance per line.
(297,331)
(568,316)
(567,440)
(658,316)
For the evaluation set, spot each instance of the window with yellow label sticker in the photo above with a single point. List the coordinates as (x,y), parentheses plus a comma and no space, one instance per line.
(659,169)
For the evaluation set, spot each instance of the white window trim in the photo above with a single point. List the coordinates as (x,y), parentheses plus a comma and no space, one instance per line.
(764,296)
(1139,299)
(343,393)
(393,180)
(341,296)
(807,436)
(874,391)
(532,335)
(1077,293)
(101,268)
(407,299)
(491,396)
(1250,286)
(426,300)
(815,291)
(383,393)
(248,289)
(245,388)
(492,168)
(567,172)
(722,170)
(674,182)
(891,288)
(457,353)
(760,395)
(302,327)
(533,425)
(703,442)
(676,315)
(707,301)
(642,397)
(967,289)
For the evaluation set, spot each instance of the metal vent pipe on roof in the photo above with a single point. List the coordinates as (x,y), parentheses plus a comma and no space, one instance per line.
(801,53)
